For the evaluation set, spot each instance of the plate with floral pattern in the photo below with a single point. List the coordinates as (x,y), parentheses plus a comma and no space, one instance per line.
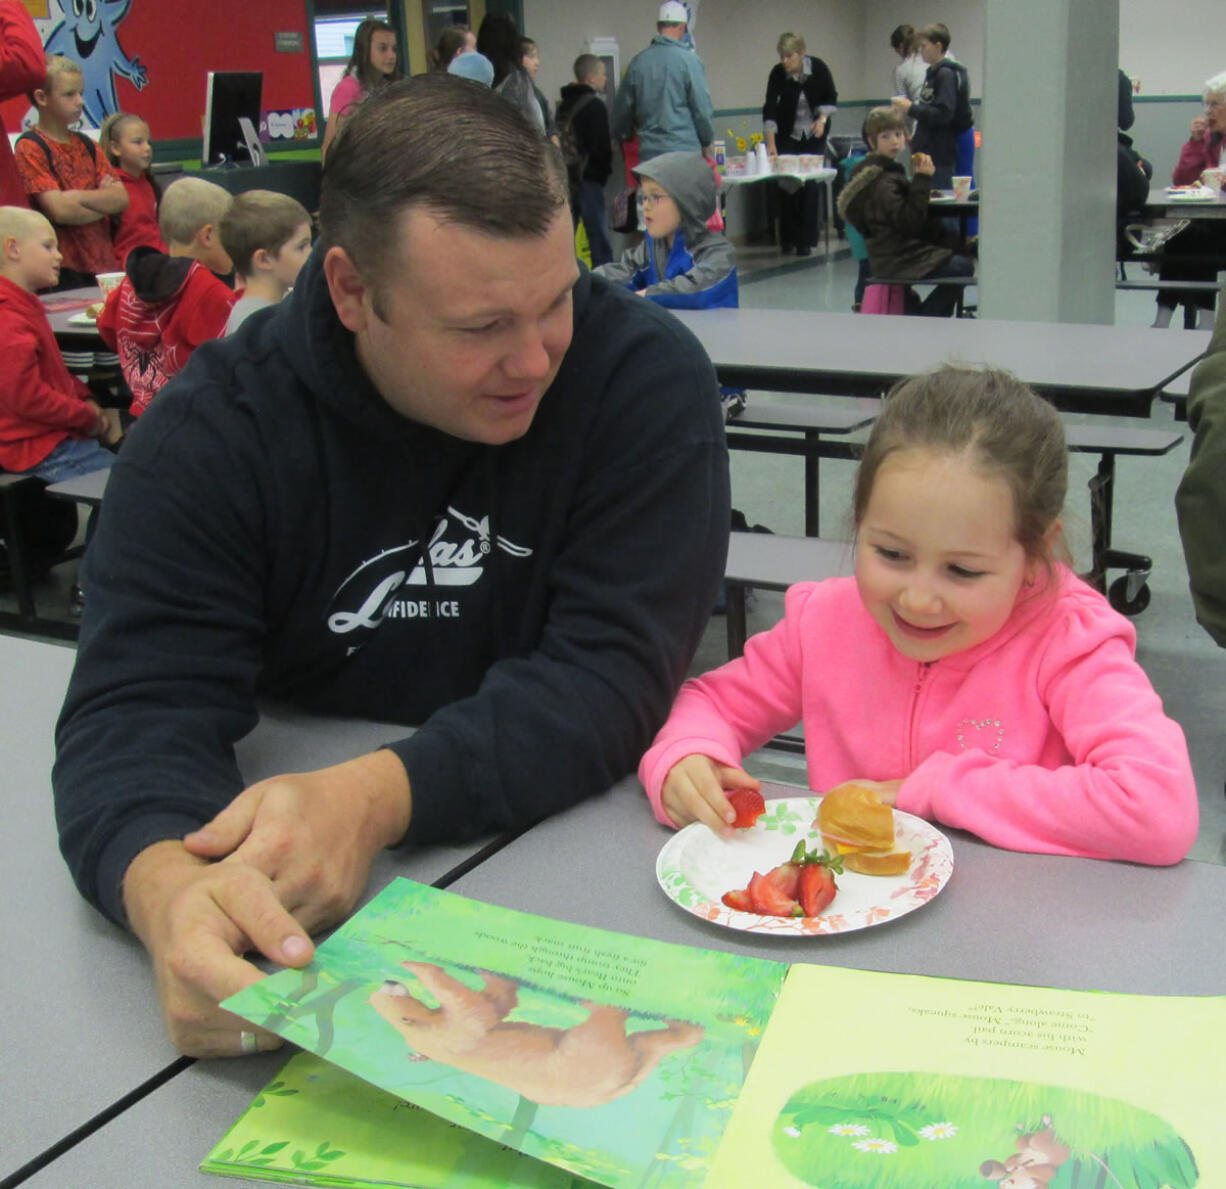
(696,867)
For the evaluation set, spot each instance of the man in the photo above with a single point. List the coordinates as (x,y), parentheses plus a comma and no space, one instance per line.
(1200,500)
(450,481)
(583,123)
(664,95)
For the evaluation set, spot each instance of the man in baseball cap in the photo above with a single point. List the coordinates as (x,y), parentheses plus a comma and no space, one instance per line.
(663,96)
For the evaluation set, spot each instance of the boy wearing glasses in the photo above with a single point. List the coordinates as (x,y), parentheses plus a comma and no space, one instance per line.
(680,263)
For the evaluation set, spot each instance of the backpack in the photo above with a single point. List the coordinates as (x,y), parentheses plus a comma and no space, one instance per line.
(575,158)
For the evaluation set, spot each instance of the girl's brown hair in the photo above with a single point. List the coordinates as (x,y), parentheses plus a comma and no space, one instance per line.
(998,423)
(359,61)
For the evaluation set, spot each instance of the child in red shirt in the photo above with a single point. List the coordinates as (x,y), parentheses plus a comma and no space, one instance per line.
(170,302)
(124,141)
(46,415)
(68,179)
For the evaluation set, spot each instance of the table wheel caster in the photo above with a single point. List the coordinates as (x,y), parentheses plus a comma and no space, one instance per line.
(1129,595)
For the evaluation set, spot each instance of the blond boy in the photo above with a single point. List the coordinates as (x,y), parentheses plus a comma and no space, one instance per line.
(268,237)
(49,426)
(170,302)
(67,177)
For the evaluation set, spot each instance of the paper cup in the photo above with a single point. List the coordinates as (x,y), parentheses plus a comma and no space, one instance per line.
(1213,178)
(962,188)
(108,281)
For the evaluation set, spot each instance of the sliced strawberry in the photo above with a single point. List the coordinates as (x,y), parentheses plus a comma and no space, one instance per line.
(738,898)
(786,877)
(769,900)
(817,888)
(749,806)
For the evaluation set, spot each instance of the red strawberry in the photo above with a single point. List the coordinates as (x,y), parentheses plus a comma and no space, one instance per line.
(749,806)
(766,898)
(817,888)
(738,898)
(786,877)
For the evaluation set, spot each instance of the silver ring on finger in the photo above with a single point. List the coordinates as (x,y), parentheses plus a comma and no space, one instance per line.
(248,1044)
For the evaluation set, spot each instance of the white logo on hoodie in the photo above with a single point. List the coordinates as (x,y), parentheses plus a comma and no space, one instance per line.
(458,550)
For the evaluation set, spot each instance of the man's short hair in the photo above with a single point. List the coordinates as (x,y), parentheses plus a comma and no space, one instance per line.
(937,33)
(586,66)
(259,219)
(188,205)
(879,120)
(448,146)
(57,66)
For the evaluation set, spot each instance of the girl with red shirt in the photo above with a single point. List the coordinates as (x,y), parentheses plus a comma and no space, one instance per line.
(125,141)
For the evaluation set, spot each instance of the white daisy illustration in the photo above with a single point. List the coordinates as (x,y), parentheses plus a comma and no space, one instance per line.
(849,1129)
(881,1147)
(939,1131)
(794,1132)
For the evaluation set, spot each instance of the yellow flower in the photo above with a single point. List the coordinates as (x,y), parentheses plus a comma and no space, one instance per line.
(740,144)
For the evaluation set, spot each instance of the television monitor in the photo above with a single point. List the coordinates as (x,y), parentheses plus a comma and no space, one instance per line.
(232,118)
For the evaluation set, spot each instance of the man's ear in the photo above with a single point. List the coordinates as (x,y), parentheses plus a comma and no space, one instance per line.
(348,290)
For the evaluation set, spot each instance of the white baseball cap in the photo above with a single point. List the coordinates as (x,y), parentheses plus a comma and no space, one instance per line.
(673,13)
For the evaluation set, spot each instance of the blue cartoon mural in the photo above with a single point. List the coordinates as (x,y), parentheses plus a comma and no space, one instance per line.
(87,35)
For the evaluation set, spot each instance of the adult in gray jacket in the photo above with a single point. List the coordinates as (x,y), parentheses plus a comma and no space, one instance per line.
(664,95)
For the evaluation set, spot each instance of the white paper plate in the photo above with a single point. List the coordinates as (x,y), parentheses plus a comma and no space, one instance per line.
(696,867)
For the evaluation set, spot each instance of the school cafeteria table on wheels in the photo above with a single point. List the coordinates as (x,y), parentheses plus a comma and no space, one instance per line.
(82,1029)
(1004,917)
(1081,367)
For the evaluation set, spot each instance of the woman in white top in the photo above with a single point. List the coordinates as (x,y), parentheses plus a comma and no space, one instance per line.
(909,74)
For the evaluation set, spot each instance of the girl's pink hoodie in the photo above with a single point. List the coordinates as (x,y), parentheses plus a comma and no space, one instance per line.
(1048,737)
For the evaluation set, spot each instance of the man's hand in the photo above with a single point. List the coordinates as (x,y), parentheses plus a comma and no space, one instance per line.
(694,792)
(313,834)
(819,126)
(196,919)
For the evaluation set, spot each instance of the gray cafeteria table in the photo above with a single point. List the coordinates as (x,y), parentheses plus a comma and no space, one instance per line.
(1042,920)
(1003,917)
(1160,202)
(82,334)
(1081,367)
(82,1027)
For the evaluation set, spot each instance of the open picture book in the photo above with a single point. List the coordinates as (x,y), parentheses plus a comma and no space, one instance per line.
(455,1043)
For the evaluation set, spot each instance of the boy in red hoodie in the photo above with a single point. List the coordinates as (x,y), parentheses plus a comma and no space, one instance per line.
(170,302)
(49,426)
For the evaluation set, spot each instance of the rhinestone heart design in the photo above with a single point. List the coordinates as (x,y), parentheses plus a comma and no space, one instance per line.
(981,724)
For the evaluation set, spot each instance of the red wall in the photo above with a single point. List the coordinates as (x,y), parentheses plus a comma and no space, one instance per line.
(178,42)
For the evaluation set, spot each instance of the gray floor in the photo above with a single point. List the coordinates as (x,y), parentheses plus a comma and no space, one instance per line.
(1186,667)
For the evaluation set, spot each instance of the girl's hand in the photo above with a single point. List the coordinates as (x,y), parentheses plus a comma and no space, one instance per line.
(694,792)
(1198,128)
(887,790)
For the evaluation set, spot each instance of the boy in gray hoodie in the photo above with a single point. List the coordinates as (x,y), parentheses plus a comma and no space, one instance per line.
(680,263)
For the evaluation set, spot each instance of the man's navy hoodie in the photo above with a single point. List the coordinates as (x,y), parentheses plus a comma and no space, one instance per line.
(262,535)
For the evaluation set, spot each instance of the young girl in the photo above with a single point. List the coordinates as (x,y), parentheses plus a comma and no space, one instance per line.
(125,141)
(964,671)
(372,65)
